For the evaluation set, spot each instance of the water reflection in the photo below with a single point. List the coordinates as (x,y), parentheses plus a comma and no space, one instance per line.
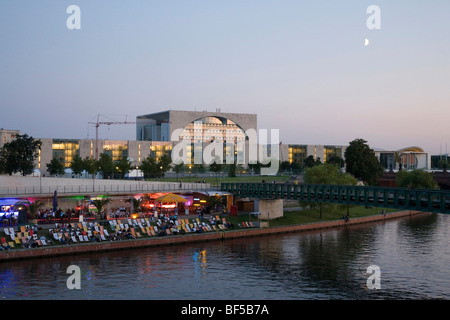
(412,255)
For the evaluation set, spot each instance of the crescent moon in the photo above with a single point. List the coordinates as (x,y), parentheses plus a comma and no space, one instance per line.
(366,42)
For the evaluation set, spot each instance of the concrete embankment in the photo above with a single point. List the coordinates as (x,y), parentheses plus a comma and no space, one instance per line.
(59,250)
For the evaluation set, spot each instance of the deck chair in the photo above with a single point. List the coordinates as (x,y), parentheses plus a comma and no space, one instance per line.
(3,240)
(39,243)
(133,232)
(74,239)
(17,240)
(86,238)
(11,244)
(6,230)
(22,228)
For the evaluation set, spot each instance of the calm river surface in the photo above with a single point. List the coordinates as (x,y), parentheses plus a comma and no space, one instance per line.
(413,256)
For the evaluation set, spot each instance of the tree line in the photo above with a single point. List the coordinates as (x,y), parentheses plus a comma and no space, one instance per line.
(19,155)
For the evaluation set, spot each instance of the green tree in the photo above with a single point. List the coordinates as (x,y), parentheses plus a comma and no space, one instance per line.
(33,207)
(105,165)
(285,166)
(199,168)
(164,164)
(136,203)
(90,165)
(77,165)
(232,169)
(179,167)
(216,166)
(362,163)
(415,179)
(310,162)
(123,166)
(255,167)
(100,204)
(155,169)
(334,159)
(327,174)
(55,167)
(19,155)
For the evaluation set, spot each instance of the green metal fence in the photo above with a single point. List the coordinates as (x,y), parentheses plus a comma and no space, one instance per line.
(428,200)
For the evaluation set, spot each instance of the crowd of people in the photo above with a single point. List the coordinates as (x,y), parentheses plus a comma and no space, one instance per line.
(118,228)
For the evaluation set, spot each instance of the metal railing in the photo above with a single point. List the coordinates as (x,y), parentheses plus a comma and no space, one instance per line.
(101,189)
(427,200)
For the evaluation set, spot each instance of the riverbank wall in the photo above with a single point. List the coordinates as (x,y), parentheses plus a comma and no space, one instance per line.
(83,248)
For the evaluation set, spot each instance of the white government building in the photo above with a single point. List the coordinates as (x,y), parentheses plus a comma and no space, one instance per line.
(199,131)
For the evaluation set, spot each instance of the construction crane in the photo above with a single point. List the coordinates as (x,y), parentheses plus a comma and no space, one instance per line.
(99,123)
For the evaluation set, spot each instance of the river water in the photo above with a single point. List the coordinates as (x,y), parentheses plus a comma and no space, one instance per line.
(412,256)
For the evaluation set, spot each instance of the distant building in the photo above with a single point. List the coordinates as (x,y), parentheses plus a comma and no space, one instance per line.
(408,158)
(225,134)
(203,134)
(7,135)
(297,153)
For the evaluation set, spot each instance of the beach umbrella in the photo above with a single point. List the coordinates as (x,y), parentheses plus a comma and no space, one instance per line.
(55,201)
(171,197)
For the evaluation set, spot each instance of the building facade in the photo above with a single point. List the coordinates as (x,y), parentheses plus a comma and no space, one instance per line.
(195,137)
(7,135)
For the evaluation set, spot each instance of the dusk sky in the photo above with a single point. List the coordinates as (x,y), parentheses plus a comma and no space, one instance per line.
(301,66)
